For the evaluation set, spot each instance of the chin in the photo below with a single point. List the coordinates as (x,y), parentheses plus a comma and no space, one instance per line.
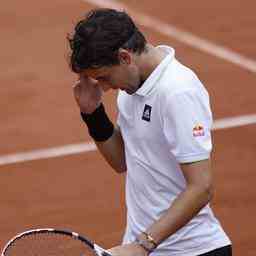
(130,91)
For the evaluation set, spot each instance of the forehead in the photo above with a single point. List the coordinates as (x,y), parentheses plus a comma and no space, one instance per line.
(95,72)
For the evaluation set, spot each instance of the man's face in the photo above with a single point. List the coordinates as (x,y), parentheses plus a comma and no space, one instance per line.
(124,76)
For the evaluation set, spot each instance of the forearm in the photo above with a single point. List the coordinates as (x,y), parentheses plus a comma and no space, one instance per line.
(107,137)
(113,151)
(183,209)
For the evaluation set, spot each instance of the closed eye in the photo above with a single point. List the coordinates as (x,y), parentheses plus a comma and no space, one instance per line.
(102,78)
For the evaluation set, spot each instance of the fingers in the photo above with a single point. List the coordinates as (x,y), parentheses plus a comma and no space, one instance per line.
(76,90)
(76,83)
(87,94)
(114,251)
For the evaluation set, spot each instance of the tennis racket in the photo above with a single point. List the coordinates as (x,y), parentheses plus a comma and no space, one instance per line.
(51,242)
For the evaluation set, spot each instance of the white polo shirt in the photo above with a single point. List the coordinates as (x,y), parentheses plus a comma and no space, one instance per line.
(167,122)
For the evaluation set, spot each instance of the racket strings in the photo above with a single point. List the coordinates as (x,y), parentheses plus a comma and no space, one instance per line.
(48,244)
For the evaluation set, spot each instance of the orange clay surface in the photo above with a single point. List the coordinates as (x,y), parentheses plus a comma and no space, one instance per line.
(81,192)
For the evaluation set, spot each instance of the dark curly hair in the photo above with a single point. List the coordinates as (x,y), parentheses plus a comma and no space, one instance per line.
(98,37)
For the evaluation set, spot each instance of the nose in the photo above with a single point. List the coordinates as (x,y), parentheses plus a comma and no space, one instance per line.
(105,87)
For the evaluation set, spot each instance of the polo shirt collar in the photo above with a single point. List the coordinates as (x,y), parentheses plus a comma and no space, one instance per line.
(151,81)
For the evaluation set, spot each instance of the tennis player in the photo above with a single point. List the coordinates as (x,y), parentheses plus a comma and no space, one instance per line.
(162,139)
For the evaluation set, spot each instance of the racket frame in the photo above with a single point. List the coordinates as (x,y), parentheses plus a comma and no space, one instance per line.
(98,250)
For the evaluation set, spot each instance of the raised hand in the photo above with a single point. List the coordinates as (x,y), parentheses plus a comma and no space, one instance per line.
(88,94)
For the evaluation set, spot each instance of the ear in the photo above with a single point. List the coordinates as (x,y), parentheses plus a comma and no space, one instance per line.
(124,56)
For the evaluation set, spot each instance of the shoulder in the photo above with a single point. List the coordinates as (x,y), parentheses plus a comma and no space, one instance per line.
(179,78)
(180,81)
(183,93)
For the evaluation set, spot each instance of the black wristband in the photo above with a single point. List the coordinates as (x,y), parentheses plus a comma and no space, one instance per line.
(99,126)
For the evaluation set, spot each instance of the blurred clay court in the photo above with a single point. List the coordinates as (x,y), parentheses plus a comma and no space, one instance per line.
(51,176)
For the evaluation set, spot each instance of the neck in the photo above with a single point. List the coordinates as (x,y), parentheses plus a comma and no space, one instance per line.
(149,60)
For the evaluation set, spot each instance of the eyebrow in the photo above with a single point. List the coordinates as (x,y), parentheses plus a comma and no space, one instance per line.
(101,76)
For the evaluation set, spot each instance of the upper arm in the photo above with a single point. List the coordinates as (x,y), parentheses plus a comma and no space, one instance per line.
(198,174)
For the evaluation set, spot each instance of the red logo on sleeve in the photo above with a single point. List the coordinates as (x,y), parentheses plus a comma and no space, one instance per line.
(198,130)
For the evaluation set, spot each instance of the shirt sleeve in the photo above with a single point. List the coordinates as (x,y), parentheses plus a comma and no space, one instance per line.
(187,123)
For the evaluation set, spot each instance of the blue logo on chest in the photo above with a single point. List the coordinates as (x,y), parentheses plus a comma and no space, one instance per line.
(146,113)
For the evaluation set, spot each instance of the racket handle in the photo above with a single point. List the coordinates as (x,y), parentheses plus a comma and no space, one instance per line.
(100,251)
(106,254)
